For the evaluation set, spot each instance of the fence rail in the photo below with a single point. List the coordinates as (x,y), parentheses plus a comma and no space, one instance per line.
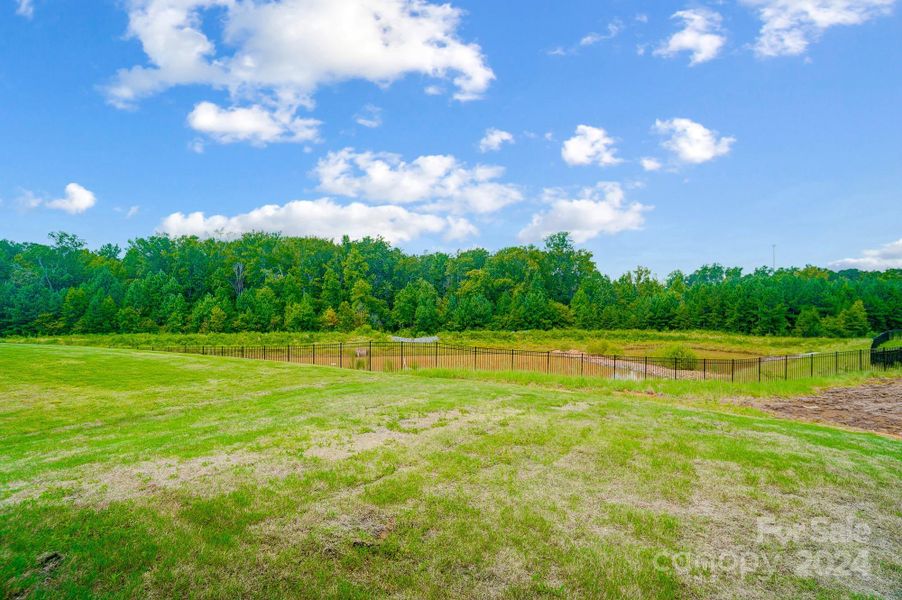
(886,336)
(396,356)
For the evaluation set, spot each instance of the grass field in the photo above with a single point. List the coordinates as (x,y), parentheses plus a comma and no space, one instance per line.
(127,474)
(705,344)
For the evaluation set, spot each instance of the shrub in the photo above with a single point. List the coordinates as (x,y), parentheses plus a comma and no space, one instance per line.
(686,357)
(604,347)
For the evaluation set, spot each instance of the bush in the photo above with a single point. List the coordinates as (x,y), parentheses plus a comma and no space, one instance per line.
(604,347)
(685,356)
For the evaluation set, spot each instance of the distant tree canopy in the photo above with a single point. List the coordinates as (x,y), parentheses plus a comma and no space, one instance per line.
(265,282)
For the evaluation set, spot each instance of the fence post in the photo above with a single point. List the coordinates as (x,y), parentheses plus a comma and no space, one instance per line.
(474,358)
(812,365)
(645,372)
(314,353)
(674,367)
(615,367)
(341,354)
(704,369)
(785,367)
(242,352)
(759,369)
(860,360)
(401,366)
(582,357)
(836,363)
(369,356)
(288,352)
(548,361)
(435,351)
(264,351)
(732,369)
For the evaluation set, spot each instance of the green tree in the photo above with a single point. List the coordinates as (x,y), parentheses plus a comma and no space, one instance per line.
(347,318)
(129,320)
(301,316)
(329,319)
(331,295)
(855,320)
(405,309)
(426,317)
(100,316)
(808,324)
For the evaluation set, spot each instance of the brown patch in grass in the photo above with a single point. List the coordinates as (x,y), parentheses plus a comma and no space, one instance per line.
(100,485)
(507,570)
(358,443)
(331,528)
(430,420)
(875,406)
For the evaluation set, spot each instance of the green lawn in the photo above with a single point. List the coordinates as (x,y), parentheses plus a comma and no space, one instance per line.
(127,474)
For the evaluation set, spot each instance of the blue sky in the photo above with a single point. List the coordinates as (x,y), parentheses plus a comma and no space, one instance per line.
(666,134)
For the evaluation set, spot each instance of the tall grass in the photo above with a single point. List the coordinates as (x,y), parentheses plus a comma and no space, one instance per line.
(704,344)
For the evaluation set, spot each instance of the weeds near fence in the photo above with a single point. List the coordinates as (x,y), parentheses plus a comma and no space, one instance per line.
(395,356)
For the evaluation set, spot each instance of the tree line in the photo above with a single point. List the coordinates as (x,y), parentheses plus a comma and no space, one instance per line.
(266,282)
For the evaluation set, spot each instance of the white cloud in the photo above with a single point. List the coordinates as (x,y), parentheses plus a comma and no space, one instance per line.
(281,52)
(197,146)
(76,201)
(789,26)
(370,116)
(25,8)
(701,36)
(460,228)
(129,212)
(253,124)
(322,218)
(691,142)
(590,145)
(494,139)
(650,164)
(439,181)
(595,211)
(613,30)
(888,256)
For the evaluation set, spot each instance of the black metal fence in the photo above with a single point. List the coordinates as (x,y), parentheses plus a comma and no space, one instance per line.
(396,356)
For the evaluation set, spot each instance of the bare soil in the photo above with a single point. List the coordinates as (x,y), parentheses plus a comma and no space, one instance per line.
(875,406)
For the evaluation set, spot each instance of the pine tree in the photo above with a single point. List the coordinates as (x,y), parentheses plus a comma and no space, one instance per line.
(808,324)
(331,295)
(855,320)
(347,319)
(426,317)
(329,319)
(301,316)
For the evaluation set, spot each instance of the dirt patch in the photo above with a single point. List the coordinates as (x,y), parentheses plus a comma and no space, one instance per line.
(430,420)
(359,443)
(875,406)
(206,475)
(331,528)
